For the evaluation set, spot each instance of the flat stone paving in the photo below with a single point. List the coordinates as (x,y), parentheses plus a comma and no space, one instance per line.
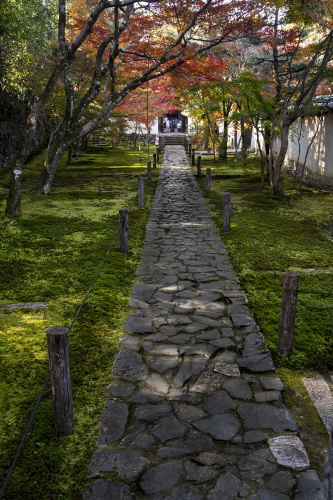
(197,411)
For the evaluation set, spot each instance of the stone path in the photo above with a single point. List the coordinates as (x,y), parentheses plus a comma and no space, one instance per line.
(197,412)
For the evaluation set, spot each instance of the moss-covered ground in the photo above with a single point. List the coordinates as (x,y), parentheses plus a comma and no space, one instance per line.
(289,232)
(52,254)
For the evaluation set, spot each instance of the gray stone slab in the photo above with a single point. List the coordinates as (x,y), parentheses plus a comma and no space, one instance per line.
(199,474)
(209,335)
(267,396)
(242,319)
(227,357)
(226,487)
(221,427)
(208,383)
(227,369)
(167,350)
(238,388)
(129,365)
(162,477)
(188,446)
(122,389)
(262,416)
(254,437)
(135,440)
(282,482)
(182,338)
(209,458)
(162,364)
(271,383)
(108,490)
(182,493)
(128,464)
(153,412)
(310,487)
(129,342)
(254,341)
(257,364)
(188,413)
(179,320)
(213,323)
(202,350)
(271,495)
(189,367)
(137,324)
(147,396)
(169,428)
(218,403)
(142,292)
(222,343)
(289,452)
(257,464)
(157,383)
(113,423)
(169,331)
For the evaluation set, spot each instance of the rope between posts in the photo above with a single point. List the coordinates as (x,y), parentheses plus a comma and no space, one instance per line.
(12,467)
(56,358)
(256,246)
(270,265)
(97,274)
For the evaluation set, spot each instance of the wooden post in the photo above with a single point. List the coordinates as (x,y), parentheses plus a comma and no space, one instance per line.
(149,172)
(190,149)
(193,157)
(141,192)
(154,160)
(57,345)
(288,313)
(158,154)
(123,230)
(208,179)
(199,165)
(226,211)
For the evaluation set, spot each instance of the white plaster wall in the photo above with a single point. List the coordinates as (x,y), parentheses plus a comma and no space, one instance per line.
(319,163)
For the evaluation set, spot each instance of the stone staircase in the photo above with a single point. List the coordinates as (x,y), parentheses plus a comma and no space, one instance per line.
(173,139)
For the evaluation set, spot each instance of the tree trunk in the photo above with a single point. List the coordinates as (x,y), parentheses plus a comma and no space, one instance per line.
(275,170)
(70,155)
(224,143)
(54,154)
(13,205)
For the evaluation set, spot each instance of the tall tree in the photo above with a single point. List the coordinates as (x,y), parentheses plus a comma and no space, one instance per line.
(298,49)
(134,42)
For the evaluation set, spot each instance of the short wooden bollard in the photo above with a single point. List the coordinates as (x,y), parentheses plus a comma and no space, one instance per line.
(158,154)
(154,160)
(141,192)
(57,345)
(149,172)
(288,313)
(226,211)
(123,230)
(193,157)
(199,165)
(190,149)
(208,179)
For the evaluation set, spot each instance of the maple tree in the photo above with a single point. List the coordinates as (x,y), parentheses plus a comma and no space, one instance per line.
(119,38)
(297,49)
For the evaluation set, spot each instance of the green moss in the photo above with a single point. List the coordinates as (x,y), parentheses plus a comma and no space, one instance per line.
(52,254)
(288,231)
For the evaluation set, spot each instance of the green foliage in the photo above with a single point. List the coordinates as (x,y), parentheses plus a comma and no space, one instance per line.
(288,232)
(26,28)
(52,254)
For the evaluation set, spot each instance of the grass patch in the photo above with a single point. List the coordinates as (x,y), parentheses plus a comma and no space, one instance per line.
(288,231)
(52,254)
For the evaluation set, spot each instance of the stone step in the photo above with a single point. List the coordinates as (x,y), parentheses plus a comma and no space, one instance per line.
(321,394)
